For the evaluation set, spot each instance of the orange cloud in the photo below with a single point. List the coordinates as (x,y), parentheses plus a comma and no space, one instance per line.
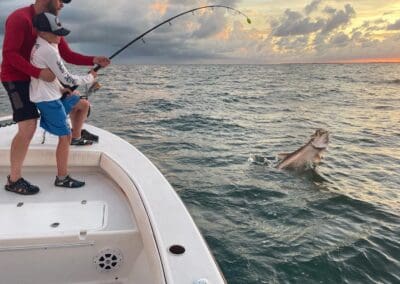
(159,7)
(224,34)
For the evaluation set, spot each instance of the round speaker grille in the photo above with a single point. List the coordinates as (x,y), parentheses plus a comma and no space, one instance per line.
(108,260)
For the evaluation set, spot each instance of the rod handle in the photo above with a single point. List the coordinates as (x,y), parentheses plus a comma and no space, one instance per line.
(97,68)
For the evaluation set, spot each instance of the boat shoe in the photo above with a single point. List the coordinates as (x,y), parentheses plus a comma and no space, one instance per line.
(21,186)
(68,182)
(81,142)
(89,136)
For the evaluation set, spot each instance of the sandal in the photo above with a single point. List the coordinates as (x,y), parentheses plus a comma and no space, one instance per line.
(21,186)
(81,142)
(68,182)
(89,136)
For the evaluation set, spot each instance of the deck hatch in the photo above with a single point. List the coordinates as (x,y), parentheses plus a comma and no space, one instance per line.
(34,219)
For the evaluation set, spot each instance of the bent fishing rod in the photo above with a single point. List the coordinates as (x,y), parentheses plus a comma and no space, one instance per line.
(96,86)
(140,37)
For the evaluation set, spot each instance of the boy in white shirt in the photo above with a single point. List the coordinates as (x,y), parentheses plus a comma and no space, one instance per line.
(47,95)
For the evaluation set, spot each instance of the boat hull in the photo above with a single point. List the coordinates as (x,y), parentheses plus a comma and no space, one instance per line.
(120,228)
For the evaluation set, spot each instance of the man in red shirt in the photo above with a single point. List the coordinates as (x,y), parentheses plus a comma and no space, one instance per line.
(16,70)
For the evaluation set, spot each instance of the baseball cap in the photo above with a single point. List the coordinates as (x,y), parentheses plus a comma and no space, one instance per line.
(46,22)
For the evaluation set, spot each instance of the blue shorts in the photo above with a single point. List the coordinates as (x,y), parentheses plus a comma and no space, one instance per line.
(54,115)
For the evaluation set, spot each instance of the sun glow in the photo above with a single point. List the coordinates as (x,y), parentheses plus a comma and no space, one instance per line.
(371,60)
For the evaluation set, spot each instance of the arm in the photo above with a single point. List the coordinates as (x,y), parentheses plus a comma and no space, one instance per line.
(72,57)
(16,28)
(55,63)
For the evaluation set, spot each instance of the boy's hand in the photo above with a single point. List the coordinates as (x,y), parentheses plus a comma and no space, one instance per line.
(94,73)
(102,61)
(94,87)
(47,75)
(66,91)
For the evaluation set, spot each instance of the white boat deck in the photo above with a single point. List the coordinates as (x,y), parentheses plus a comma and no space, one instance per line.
(71,232)
(58,210)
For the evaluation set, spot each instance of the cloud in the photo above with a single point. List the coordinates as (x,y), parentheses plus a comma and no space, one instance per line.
(340,39)
(395,26)
(329,10)
(159,7)
(339,18)
(313,6)
(371,26)
(293,23)
(321,32)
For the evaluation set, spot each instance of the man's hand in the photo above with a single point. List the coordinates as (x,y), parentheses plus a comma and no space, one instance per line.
(47,75)
(102,61)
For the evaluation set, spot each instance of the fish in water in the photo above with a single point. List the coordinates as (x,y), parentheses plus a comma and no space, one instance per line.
(307,156)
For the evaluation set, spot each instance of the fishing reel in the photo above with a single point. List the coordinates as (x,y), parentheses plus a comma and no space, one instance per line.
(92,89)
(88,90)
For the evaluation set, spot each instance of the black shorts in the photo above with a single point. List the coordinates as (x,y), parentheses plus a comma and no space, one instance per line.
(23,108)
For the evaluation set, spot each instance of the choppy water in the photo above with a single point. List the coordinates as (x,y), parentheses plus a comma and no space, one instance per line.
(200,124)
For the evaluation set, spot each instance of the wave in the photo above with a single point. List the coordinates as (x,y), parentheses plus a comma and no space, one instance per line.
(196,122)
(395,81)
(159,105)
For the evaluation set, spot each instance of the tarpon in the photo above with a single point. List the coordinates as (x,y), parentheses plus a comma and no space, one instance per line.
(307,156)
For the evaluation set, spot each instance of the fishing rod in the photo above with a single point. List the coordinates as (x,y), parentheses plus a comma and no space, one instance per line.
(96,85)
(140,37)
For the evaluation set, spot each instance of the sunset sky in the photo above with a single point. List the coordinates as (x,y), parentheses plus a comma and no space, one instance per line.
(281,31)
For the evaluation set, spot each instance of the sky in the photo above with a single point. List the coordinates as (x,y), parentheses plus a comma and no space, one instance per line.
(290,31)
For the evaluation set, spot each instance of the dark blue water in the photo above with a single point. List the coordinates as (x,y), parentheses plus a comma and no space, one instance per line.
(200,125)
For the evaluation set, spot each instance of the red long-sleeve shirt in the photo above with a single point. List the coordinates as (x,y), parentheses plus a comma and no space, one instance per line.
(19,38)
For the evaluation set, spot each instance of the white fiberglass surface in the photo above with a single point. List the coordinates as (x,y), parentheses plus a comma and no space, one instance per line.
(99,205)
(44,218)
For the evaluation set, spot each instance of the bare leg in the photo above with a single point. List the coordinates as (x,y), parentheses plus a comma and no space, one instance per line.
(78,117)
(19,147)
(62,153)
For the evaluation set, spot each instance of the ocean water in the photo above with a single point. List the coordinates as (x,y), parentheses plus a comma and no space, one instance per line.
(200,124)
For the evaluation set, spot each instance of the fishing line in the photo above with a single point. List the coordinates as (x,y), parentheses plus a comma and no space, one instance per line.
(96,85)
(141,37)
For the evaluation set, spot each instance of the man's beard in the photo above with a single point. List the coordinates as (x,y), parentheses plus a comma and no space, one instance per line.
(51,8)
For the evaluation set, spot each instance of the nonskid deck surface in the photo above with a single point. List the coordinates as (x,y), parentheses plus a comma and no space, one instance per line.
(98,206)
(81,235)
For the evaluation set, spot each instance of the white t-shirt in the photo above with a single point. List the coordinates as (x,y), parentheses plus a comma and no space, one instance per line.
(46,55)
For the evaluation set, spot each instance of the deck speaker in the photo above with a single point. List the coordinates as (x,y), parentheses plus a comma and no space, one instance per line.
(108,260)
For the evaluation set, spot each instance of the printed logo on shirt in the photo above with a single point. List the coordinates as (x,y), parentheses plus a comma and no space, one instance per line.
(61,66)
(67,76)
